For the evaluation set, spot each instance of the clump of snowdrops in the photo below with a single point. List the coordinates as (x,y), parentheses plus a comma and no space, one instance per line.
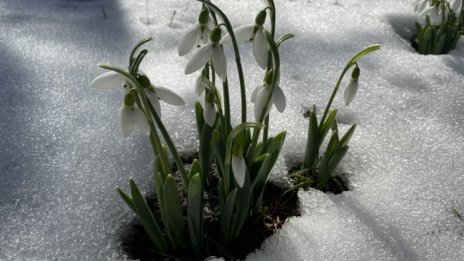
(440,27)
(318,166)
(239,157)
(243,159)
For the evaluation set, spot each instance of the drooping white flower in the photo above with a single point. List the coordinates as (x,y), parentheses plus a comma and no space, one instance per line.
(210,51)
(130,116)
(455,6)
(196,36)
(350,91)
(157,93)
(260,94)
(352,87)
(253,33)
(209,114)
(239,169)
(201,84)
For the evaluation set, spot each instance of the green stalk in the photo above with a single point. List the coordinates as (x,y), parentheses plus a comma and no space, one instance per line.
(237,57)
(352,62)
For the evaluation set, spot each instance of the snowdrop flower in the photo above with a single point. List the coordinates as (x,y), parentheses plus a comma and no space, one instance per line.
(238,166)
(210,51)
(201,84)
(260,94)
(209,112)
(455,6)
(130,116)
(352,87)
(197,35)
(253,33)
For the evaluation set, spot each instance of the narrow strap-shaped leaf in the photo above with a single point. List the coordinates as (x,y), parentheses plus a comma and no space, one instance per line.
(205,151)
(173,210)
(327,125)
(194,169)
(333,144)
(147,219)
(346,138)
(195,211)
(242,207)
(312,144)
(227,210)
(199,117)
(129,201)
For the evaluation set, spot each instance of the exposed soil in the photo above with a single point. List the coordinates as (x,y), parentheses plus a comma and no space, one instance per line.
(278,205)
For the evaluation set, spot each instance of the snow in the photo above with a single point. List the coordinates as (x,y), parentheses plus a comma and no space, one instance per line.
(62,151)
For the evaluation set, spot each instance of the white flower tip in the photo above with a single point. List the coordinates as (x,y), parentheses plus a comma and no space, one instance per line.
(350,91)
(126,122)
(239,170)
(209,114)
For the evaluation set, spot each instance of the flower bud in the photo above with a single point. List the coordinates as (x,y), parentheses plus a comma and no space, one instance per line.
(203,17)
(143,80)
(215,35)
(355,73)
(129,99)
(260,17)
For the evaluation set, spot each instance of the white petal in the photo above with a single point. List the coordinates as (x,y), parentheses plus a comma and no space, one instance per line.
(239,170)
(350,91)
(255,93)
(126,121)
(199,58)
(456,6)
(219,62)
(169,96)
(279,100)
(189,41)
(141,121)
(154,99)
(260,49)
(209,114)
(261,97)
(108,80)
(242,34)
(199,87)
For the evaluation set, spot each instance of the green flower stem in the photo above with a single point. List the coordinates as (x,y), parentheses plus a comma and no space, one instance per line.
(350,64)
(237,58)
(171,146)
(275,77)
(269,64)
(225,90)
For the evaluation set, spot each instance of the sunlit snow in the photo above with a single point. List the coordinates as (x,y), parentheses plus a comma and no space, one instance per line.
(62,152)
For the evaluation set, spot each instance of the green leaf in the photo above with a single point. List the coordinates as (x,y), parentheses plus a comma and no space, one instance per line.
(199,116)
(283,39)
(129,201)
(346,138)
(195,211)
(333,144)
(327,125)
(205,151)
(242,207)
(194,169)
(312,144)
(227,211)
(174,213)
(146,217)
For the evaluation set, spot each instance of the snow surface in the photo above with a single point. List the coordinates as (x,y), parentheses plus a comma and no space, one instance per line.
(62,151)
